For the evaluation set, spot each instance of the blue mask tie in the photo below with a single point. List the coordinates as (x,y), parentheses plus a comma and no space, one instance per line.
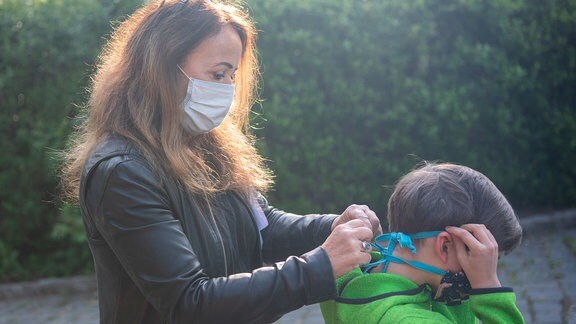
(454,287)
(404,241)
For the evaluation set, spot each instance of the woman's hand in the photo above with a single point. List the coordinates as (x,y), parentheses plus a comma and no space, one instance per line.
(477,252)
(363,213)
(345,246)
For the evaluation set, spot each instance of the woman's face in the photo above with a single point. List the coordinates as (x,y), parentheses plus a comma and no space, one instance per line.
(216,58)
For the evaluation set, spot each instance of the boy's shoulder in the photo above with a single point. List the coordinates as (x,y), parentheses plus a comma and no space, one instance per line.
(377,285)
(374,298)
(388,298)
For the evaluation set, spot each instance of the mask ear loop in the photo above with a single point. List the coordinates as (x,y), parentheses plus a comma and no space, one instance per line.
(405,241)
(386,252)
(182,70)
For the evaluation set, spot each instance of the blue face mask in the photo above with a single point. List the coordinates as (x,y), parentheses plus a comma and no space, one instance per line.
(453,286)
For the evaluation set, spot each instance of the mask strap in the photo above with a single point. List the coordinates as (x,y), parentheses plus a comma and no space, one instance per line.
(405,241)
(178,65)
(417,265)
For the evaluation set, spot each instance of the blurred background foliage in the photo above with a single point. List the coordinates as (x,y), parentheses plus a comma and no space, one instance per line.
(354,94)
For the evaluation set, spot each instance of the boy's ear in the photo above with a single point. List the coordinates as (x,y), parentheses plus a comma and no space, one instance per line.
(444,246)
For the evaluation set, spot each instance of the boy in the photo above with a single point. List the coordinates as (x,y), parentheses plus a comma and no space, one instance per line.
(448,224)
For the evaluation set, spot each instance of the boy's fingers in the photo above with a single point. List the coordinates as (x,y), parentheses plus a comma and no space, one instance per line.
(490,236)
(476,236)
(460,247)
(468,238)
(479,231)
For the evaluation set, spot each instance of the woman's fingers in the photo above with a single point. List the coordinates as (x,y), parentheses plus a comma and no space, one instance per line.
(363,213)
(356,229)
(373,220)
(346,246)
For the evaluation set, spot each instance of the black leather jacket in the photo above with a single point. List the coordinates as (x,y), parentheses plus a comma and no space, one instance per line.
(160,257)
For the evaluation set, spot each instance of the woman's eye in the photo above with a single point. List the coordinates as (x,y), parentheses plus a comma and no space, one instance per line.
(219,76)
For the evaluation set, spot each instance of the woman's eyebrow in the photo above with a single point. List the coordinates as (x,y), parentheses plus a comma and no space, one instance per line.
(228,65)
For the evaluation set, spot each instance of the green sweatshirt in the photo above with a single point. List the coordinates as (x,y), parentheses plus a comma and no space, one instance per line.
(391,298)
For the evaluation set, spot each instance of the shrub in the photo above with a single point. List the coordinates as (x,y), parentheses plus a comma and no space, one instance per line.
(357,92)
(47,50)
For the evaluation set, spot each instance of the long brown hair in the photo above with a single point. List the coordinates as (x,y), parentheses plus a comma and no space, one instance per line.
(434,196)
(137,92)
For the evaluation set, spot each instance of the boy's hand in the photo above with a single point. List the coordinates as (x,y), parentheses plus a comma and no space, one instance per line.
(477,252)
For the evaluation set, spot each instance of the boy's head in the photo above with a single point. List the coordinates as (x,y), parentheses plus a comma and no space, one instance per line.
(438,195)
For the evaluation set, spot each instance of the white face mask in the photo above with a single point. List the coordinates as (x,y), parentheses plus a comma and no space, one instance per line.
(206,104)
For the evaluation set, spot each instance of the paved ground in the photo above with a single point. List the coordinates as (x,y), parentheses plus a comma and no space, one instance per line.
(542,273)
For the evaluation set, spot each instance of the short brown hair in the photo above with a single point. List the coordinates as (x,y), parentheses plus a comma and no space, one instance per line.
(434,196)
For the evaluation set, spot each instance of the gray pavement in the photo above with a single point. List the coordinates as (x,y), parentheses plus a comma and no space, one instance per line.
(542,272)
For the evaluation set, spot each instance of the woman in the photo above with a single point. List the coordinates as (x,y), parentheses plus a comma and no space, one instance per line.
(169,181)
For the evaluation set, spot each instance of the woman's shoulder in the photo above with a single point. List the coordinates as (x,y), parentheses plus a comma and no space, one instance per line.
(109,147)
(111,152)
(113,145)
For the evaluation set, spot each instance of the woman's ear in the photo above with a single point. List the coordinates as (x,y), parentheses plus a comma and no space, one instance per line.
(444,246)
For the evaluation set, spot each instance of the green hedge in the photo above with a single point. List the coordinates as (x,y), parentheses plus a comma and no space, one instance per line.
(355,93)
(47,50)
